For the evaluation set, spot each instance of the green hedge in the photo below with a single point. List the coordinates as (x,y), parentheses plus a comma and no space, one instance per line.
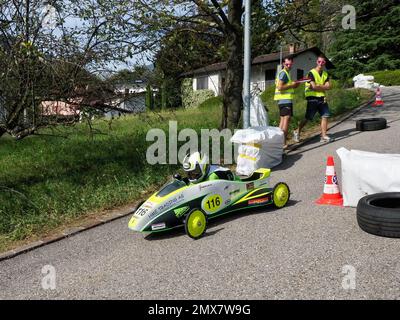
(192,99)
(212,103)
(387,77)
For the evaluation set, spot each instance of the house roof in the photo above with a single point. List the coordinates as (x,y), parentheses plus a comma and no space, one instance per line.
(265,58)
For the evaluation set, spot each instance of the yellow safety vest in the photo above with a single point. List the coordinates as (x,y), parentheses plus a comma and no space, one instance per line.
(319,80)
(284,94)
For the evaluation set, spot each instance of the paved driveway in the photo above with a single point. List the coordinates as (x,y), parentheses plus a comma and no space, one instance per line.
(293,253)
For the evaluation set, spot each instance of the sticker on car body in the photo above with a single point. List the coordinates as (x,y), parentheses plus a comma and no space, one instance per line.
(258,201)
(212,203)
(141,211)
(158,226)
(179,212)
(250,186)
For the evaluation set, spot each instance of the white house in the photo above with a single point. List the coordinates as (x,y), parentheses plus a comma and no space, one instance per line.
(263,70)
(133,100)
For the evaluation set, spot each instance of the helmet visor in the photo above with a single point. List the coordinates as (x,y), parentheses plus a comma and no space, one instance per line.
(195,174)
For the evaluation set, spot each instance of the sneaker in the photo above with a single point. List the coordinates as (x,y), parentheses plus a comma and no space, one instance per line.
(326,139)
(296,136)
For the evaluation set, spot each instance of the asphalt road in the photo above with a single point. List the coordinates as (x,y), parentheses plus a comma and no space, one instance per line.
(297,252)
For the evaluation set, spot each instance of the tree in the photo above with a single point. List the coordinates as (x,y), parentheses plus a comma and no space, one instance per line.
(149,98)
(181,50)
(57,51)
(273,22)
(375,42)
(138,73)
(48,51)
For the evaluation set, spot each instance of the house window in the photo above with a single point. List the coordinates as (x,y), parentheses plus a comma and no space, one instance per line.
(270,74)
(202,83)
(300,74)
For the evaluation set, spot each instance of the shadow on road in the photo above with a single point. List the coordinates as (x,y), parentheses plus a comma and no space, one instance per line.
(178,232)
(344,134)
(288,161)
(314,143)
(338,136)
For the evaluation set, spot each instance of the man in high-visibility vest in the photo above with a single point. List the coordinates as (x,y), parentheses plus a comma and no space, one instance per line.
(315,92)
(284,92)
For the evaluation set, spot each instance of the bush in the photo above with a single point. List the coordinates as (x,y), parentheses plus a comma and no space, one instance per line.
(192,99)
(212,103)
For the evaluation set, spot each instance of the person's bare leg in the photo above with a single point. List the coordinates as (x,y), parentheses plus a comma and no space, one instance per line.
(281,123)
(324,126)
(285,127)
(302,123)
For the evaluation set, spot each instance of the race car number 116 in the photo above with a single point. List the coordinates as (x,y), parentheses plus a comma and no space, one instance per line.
(212,203)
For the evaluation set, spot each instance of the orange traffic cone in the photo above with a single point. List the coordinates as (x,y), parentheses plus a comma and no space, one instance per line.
(378,98)
(331,193)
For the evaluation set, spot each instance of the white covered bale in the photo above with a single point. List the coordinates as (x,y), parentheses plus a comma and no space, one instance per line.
(366,82)
(365,173)
(259,147)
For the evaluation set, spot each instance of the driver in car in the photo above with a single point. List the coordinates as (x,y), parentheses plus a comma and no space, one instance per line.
(198,169)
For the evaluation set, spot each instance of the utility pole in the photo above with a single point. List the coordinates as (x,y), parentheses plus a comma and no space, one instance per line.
(247,65)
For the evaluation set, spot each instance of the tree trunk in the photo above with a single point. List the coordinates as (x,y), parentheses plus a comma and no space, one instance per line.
(232,98)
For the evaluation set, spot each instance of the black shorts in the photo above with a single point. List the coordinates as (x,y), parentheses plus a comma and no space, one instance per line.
(285,109)
(317,105)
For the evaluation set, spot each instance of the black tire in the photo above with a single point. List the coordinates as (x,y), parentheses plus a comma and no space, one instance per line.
(379,214)
(371,124)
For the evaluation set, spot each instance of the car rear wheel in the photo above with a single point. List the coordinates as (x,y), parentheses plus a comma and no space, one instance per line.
(280,194)
(196,223)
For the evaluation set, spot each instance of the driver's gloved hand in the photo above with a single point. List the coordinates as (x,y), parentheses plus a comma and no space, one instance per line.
(177,176)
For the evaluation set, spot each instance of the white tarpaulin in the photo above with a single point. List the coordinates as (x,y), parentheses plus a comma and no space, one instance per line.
(365,173)
(366,82)
(259,147)
(258,114)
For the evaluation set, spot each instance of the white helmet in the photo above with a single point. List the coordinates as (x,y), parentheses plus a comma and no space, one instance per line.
(196,166)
